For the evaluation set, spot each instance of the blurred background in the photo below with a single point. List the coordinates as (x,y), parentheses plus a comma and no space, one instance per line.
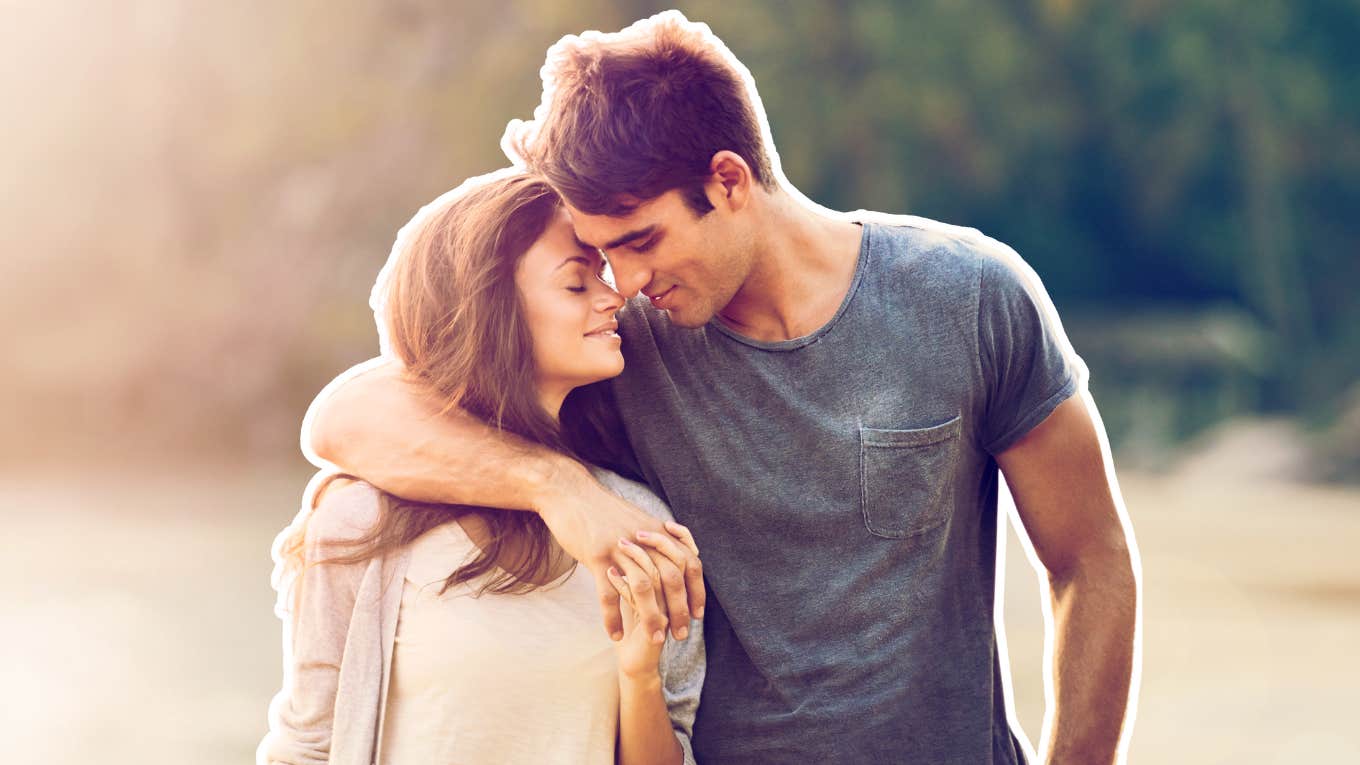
(197,197)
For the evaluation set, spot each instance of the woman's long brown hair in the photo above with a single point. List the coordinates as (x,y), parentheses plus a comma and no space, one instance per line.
(454,317)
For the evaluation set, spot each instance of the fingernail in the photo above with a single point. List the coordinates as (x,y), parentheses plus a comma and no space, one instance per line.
(699,612)
(643,535)
(624,542)
(658,637)
(682,633)
(613,571)
(616,636)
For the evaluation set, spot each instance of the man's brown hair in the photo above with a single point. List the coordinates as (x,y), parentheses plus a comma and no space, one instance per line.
(629,116)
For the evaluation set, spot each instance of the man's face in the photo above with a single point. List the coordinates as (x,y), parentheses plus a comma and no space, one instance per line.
(689,266)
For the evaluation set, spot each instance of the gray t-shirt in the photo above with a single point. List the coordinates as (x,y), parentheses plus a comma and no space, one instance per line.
(843,492)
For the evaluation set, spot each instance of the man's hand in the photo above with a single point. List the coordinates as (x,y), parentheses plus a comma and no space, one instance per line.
(589,522)
(638,584)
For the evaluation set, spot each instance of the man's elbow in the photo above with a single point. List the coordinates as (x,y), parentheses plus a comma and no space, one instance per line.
(318,442)
(321,436)
(1108,564)
(328,424)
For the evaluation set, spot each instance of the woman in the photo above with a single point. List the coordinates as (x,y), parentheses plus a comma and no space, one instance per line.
(431,633)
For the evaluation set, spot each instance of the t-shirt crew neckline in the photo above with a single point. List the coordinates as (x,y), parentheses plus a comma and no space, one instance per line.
(815,335)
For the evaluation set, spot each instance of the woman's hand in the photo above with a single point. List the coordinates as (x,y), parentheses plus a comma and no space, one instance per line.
(639,586)
(588,520)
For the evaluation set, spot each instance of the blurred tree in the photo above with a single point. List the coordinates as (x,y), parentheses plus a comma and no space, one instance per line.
(201,199)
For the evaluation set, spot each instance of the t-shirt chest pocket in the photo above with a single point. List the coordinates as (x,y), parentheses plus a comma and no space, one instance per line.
(907,478)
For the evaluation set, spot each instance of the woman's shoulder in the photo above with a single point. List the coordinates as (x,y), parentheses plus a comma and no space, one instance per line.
(637,493)
(345,508)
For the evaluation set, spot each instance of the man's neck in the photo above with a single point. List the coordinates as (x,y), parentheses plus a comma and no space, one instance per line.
(804,263)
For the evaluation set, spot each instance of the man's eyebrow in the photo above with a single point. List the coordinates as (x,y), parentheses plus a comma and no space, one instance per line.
(591,254)
(631,236)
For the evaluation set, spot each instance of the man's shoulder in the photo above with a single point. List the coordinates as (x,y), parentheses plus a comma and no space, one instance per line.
(913,242)
(914,252)
(636,311)
(648,333)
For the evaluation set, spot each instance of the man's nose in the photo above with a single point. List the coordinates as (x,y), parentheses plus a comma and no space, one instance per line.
(629,278)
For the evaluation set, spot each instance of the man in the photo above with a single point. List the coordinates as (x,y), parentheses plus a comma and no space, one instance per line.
(825,401)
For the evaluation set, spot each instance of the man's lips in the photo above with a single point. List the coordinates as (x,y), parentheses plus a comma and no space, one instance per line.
(659,298)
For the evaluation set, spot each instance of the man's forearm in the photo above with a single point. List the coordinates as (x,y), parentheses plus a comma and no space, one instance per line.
(379,427)
(1095,610)
(390,433)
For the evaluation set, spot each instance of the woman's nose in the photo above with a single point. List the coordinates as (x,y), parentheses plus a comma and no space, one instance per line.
(609,300)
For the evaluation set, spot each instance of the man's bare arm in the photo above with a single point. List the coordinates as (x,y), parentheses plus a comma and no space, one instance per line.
(377,425)
(1058,477)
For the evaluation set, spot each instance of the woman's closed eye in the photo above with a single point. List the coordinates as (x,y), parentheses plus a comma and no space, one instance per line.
(599,274)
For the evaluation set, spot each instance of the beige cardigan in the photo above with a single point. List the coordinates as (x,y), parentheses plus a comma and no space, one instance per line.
(338,645)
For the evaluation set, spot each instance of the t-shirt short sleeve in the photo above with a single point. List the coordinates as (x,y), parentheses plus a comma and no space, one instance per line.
(1028,366)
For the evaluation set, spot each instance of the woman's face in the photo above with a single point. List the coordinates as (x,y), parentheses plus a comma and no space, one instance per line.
(570,310)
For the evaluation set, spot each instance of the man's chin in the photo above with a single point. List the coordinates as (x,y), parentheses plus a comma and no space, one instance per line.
(687,319)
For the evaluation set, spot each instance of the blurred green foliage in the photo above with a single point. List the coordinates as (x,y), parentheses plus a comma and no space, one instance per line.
(226,182)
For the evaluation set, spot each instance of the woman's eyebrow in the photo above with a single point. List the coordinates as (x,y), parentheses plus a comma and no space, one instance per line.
(573,259)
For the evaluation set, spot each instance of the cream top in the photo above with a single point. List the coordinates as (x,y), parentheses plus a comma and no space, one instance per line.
(340,634)
(528,678)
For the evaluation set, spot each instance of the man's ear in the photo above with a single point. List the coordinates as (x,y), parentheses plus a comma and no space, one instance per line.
(731,180)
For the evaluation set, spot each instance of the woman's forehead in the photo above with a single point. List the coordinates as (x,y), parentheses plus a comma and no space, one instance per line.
(557,246)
